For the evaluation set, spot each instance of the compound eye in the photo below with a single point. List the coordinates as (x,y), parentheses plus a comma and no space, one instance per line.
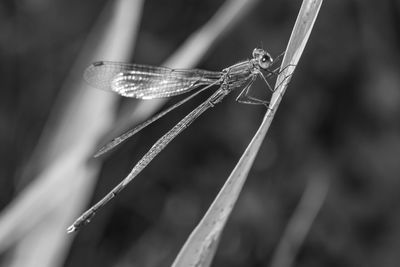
(265,61)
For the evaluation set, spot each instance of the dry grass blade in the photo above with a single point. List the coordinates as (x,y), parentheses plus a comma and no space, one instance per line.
(200,247)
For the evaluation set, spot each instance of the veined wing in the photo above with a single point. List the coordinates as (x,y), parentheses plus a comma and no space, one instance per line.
(146,82)
(121,138)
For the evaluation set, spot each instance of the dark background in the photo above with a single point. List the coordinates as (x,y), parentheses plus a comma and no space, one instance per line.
(340,116)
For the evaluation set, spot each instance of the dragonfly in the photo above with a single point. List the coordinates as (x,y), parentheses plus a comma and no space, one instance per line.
(150,82)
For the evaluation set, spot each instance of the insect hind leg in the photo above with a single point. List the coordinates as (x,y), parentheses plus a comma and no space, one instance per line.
(245,98)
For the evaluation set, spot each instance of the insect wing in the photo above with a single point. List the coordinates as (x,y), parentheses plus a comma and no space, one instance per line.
(146,82)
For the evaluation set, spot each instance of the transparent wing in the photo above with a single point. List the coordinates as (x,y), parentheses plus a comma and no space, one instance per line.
(146,82)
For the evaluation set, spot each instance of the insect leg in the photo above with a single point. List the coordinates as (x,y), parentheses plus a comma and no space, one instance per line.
(245,98)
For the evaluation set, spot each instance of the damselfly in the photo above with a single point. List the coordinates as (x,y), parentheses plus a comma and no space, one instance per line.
(148,82)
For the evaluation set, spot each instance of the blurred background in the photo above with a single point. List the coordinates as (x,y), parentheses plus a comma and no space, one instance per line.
(338,122)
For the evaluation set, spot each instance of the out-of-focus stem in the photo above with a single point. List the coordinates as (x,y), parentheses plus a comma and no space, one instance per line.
(38,216)
(299,225)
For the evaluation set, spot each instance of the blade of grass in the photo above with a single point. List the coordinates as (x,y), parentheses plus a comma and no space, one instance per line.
(200,247)
(299,225)
(38,213)
(42,239)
